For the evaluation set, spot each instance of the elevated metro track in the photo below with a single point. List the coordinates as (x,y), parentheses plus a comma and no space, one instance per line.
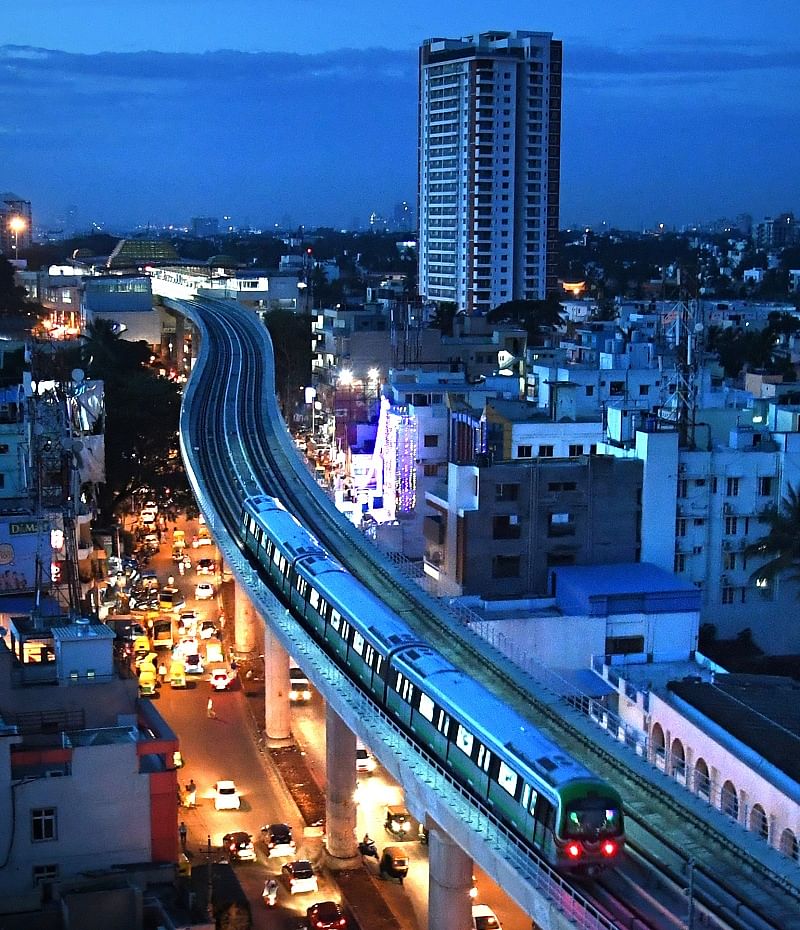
(233,391)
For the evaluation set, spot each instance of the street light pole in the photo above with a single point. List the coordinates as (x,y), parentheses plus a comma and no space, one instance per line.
(16,224)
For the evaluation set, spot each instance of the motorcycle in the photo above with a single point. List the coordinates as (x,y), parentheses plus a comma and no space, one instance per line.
(270,893)
(368,848)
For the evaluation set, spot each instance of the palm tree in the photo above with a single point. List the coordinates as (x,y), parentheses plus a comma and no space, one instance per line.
(781,544)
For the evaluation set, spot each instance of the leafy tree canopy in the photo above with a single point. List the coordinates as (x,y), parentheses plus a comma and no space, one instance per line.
(780,546)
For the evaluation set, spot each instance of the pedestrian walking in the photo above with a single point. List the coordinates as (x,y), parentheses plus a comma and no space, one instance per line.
(182,834)
(210,712)
(191,794)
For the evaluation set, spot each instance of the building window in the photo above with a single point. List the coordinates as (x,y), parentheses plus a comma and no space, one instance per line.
(729,562)
(431,441)
(683,487)
(524,452)
(505,566)
(728,594)
(765,487)
(680,563)
(561,524)
(589,390)
(505,526)
(44,873)
(43,824)
(3,448)
(624,645)
(506,492)
(430,471)
(680,527)
(644,390)
(576,449)
(731,526)
(732,487)
(546,451)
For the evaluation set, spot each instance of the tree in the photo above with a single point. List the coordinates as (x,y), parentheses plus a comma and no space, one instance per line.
(12,296)
(536,316)
(291,342)
(781,544)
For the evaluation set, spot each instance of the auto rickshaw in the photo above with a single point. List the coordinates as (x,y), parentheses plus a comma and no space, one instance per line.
(398,821)
(393,863)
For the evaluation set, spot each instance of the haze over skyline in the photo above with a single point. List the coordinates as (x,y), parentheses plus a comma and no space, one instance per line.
(673,112)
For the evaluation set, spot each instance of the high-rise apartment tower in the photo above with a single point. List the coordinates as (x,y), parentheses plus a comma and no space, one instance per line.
(489,165)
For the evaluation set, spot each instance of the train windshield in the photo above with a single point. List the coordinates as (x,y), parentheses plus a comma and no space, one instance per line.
(592,818)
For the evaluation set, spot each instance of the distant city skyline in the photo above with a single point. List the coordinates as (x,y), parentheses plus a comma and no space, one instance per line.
(676,113)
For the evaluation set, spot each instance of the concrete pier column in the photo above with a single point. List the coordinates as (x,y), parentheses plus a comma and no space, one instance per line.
(244,633)
(340,805)
(277,721)
(180,340)
(449,882)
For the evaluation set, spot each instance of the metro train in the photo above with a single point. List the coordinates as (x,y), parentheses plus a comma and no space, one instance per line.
(572,819)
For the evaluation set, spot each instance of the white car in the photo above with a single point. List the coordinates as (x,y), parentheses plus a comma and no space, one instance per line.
(300,876)
(226,796)
(484,918)
(221,679)
(365,762)
(207,629)
(204,591)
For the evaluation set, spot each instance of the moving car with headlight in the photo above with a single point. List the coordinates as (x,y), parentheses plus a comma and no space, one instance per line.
(278,840)
(300,876)
(326,915)
(226,796)
(239,846)
(299,688)
(204,591)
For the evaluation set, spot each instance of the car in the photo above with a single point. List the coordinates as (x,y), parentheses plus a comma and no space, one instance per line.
(484,918)
(187,622)
(148,516)
(365,761)
(278,840)
(202,539)
(398,821)
(193,662)
(207,629)
(203,591)
(239,846)
(171,598)
(221,679)
(300,876)
(326,915)
(226,796)
(152,541)
(206,567)
(299,688)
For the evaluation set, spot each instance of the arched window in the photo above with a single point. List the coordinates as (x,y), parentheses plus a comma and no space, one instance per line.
(702,780)
(678,761)
(658,743)
(729,800)
(758,821)
(789,845)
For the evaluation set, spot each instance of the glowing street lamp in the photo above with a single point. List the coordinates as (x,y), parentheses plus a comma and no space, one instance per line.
(17,225)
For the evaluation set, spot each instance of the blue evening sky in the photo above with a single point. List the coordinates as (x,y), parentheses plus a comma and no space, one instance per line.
(137,111)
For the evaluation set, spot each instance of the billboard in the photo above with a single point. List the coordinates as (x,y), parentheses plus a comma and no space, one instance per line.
(22,539)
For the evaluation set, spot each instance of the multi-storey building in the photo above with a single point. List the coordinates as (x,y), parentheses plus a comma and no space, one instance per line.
(489,165)
(15,224)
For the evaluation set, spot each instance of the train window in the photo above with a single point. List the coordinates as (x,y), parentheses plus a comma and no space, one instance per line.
(379,664)
(407,692)
(276,557)
(336,619)
(525,797)
(358,643)
(534,798)
(443,726)
(269,548)
(484,757)
(345,630)
(426,706)
(313,598)
(302,587)
(464,740)
(369,655)
(398,684)
(507,778)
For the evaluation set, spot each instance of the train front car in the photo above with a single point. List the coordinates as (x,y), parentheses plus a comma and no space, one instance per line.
(550,801)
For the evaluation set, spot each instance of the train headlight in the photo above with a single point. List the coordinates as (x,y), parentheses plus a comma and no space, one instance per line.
(406,826)
(609,848)
(574,850)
